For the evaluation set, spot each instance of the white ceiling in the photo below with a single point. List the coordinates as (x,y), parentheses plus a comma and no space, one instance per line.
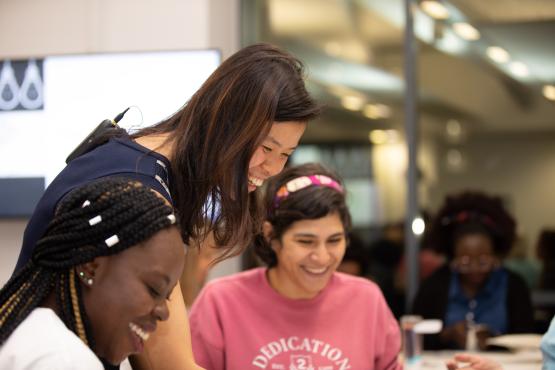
(355,47)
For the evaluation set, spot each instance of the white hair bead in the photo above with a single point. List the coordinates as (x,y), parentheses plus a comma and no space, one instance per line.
(86,203)
(171,218)
(111,241)
(95,220)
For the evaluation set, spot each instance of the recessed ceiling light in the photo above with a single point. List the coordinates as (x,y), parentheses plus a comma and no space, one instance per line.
(379,137)
(453,128)
(434,9)
(519,69)
(352,102)
(498,54)
(376,111)
(549,92)
(466,31)
(455,160)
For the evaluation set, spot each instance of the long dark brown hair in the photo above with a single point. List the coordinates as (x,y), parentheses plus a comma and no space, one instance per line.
(216,133)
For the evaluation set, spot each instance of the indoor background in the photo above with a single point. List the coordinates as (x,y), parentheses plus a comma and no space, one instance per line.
(486,91)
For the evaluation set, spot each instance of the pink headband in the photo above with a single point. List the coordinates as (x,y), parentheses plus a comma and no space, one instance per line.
(302,182)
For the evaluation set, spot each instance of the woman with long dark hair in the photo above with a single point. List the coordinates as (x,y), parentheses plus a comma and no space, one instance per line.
(235,132)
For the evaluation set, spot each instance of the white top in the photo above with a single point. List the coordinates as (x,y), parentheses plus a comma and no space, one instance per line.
(42,341)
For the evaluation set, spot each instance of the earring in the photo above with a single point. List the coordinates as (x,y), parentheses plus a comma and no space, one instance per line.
(88,281)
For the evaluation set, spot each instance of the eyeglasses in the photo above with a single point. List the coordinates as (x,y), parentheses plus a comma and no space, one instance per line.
(466,264)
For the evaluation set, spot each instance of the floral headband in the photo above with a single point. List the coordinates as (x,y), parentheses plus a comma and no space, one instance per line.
(302,182)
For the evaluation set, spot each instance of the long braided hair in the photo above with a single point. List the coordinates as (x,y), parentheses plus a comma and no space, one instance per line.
(98,219)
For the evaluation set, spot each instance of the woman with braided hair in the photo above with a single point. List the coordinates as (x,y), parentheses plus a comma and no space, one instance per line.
(207,159)
(298,312)
(97,283)
(473,290)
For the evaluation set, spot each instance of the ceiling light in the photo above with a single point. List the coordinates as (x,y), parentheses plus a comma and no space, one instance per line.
(418,226)
(376,111)
(378,137)
(453,128)
(466,31)
(352,102)
(451,43)
(498,54)
(434,9)
(549,92)
(455,160)
(519,69)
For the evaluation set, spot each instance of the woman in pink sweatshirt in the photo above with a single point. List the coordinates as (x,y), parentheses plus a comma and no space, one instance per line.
(298,313)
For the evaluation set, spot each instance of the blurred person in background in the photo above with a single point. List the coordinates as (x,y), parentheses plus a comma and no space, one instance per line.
(545,249)
(475,232)
(355,260)
(385,255)
(298,313)
(388,264)
(519,262)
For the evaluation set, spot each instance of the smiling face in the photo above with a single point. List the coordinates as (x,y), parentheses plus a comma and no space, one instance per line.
(272,154)
(129,293)
(308,253)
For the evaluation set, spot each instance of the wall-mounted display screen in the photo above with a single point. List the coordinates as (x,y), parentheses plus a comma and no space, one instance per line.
(49,105)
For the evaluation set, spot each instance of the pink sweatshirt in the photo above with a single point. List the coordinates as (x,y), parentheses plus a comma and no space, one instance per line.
(239,322)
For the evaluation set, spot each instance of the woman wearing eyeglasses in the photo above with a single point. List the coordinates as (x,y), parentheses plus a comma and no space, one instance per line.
(298,313)
(473,292)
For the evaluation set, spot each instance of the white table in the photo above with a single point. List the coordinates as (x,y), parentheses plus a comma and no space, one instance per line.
(525,360)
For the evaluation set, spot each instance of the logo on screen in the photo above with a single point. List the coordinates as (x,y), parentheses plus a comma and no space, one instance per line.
(21,85)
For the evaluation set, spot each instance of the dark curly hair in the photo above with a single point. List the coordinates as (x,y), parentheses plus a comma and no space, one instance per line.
(472,212)
(310,203)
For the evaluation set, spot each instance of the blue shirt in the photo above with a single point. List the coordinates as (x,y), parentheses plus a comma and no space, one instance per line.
(487,307)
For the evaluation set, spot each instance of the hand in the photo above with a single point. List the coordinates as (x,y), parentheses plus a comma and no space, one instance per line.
(472,362)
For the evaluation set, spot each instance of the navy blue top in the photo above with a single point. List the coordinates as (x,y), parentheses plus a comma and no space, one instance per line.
(118,157)
(487,307)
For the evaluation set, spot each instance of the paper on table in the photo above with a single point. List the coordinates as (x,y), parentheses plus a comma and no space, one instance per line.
(517,341)
(431,326)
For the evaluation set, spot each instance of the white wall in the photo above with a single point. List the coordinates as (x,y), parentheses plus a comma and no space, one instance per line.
(389,162)
(35,28)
